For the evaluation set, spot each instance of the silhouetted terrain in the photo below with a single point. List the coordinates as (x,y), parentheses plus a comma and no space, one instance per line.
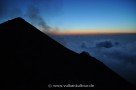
(31,60)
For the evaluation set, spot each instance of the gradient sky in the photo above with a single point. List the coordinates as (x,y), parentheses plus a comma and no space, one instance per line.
(76,16)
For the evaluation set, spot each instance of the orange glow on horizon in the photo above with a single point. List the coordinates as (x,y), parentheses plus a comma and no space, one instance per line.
(92,32)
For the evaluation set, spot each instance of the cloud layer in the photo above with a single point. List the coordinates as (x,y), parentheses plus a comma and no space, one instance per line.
(118,54)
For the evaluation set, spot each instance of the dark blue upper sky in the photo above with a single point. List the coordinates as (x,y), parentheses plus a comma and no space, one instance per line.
(75,15)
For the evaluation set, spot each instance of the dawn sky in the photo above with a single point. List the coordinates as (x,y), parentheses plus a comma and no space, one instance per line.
(75,16)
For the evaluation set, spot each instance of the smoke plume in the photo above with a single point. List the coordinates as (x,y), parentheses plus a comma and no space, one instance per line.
(33,14)
(30,10)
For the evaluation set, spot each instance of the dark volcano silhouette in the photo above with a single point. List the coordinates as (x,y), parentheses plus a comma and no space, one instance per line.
(31,60)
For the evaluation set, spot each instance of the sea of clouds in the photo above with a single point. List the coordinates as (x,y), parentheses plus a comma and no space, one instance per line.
(119,55)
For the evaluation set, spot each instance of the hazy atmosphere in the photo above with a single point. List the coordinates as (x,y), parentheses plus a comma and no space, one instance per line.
(106,29)
(74,16)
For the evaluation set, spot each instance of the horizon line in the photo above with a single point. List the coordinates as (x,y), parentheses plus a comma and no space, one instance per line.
(61,34)
(88,33)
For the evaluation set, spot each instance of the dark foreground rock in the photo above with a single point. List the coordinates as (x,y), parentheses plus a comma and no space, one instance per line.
(31,60)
